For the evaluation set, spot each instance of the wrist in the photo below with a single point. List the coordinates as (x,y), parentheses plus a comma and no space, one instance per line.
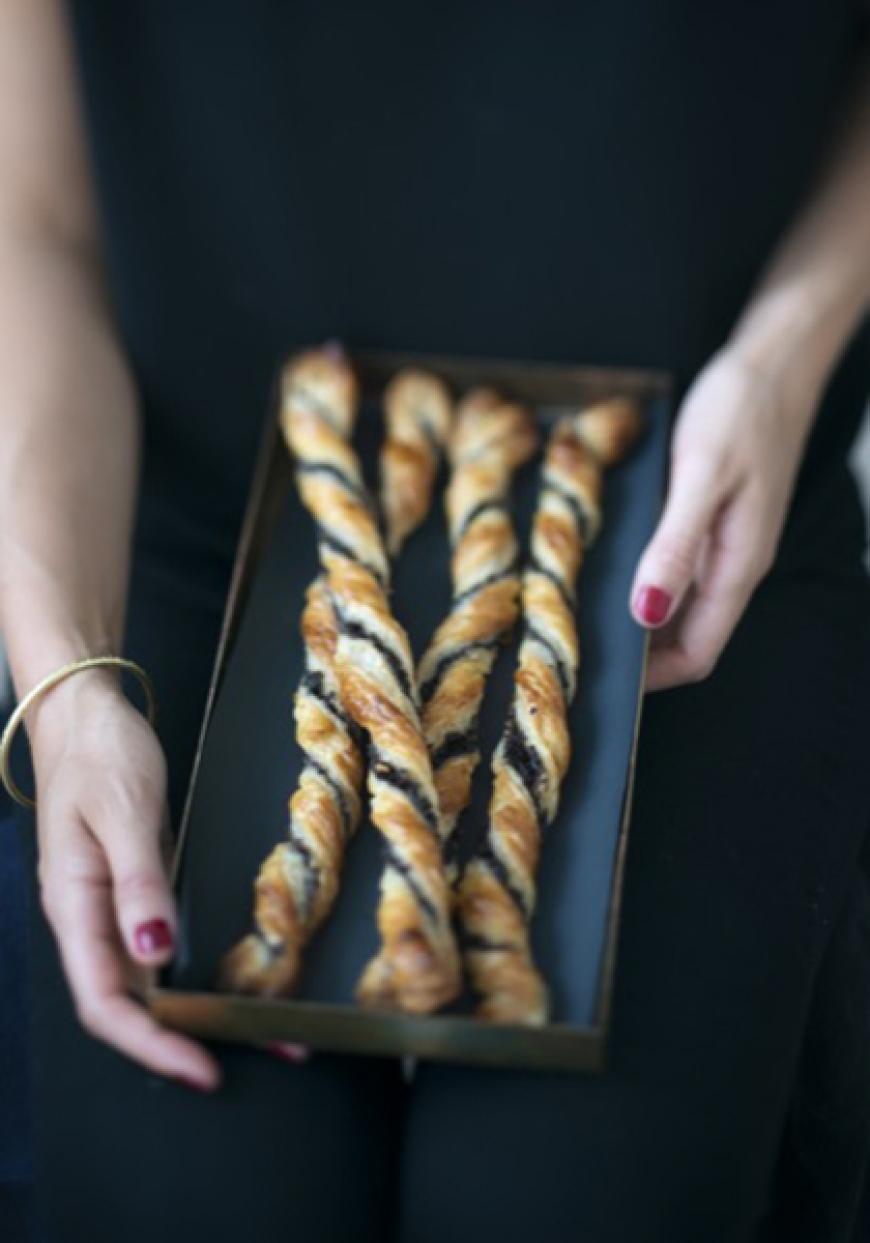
(778,344)
(36,652)
(792,334)
(44,633)
(58,715)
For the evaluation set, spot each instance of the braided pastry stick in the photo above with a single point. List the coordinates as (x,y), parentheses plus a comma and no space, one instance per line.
(496,895)
(493,438)
(298,882)
(419,416)
(417,968)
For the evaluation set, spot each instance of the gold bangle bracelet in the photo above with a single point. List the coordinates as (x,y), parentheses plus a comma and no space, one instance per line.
(47,684)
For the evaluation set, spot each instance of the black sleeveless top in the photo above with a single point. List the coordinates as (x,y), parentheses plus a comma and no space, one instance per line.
(596,181)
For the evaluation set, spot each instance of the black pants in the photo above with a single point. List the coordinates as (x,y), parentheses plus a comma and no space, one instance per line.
(744,930)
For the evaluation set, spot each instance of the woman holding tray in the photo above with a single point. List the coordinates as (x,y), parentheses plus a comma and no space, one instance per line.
(186,190)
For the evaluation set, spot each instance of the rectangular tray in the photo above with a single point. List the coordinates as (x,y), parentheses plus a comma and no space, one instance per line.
(247,762)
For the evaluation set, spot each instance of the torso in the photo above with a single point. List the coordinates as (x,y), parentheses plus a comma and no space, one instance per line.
(598,182)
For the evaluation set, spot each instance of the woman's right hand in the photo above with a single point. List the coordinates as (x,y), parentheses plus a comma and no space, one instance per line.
(102,825)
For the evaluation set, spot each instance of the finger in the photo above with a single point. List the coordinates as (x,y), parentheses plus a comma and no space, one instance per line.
(671,558)
(93,959)
(688,650)
(144,906)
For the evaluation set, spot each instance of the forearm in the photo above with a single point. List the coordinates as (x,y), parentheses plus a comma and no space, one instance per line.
(816,289)
(68,457)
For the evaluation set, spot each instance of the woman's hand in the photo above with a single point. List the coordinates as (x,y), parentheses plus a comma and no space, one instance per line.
(103,836)
(736,450)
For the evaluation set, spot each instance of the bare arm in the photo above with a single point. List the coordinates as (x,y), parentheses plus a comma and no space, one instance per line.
(69,438)
(817,286)
(63,559)
(741,431)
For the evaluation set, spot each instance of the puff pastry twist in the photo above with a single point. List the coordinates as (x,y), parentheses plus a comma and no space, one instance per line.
(493,438)
(298,882)
(496,896)
(419,415)
(417,968)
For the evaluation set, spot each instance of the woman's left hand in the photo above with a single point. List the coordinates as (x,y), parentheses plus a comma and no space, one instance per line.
(737,445)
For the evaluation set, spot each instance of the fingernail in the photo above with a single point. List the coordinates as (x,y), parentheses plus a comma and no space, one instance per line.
(294,1053)
(153,937)
(652,605)
(194,1084)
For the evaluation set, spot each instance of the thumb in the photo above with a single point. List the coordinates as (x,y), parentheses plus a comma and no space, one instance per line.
(670,560)
(144,907)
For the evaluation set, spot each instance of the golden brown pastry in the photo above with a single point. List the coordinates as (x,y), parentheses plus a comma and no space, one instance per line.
(418,415)
(493,438)
(298,881)
(297,884)
(417,968)
(496,894)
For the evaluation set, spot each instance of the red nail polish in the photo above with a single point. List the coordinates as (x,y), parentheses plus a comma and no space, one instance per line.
(153,937)
(652,605)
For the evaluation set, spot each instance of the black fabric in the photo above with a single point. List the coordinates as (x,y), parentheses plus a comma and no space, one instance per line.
(748,825)
(599,181)
(744,843)
(821,1179)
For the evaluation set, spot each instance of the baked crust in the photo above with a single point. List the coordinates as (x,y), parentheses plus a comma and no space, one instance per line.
(357,661)
(492,439)
(496,893)
(298,881)
(417,968)
(418,416)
